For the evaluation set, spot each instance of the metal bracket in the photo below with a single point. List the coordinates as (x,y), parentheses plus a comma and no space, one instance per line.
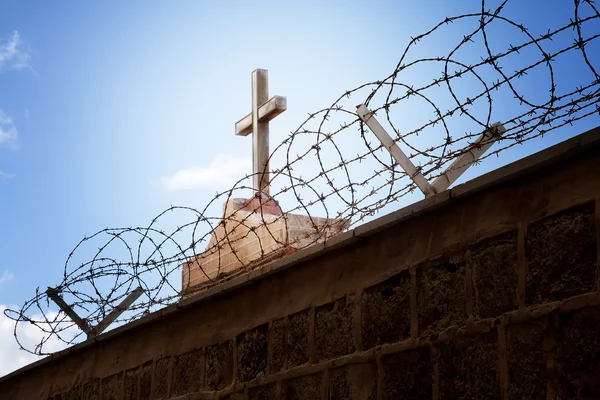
(452,173)
(82,323)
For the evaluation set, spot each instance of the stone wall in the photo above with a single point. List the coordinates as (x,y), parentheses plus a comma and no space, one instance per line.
(487,291)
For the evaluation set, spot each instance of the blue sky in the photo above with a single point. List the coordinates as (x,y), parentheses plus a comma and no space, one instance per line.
(103,103)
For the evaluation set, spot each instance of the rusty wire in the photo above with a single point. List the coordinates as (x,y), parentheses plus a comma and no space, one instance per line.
(333,170)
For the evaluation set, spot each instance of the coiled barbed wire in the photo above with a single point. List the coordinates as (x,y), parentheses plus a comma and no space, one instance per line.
(334,172)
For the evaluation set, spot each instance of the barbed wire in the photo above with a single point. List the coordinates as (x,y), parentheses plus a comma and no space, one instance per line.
(334,173)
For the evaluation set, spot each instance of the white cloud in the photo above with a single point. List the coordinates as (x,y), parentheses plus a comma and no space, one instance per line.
(13,55)
(8,131)
(11,356)
(222,173)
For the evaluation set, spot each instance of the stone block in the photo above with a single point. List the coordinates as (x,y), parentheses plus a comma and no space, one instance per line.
(441,294)
(233,396)
(297,338)
(577,356)
(333,329)
(385,311)
(304,388)
(91,390)
(161,378)
(407,376)
(145,381)
(219,365)
(188,373)
(468,368)
(447,228)
(353,382)
(495,281)
(130,384)
(249,233)
(491,211)
(561,255)
(252,353)
(265,392)
(73,394)
(526,360)
(112,387)
(277,350)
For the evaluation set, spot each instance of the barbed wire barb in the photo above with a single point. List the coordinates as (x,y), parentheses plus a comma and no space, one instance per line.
(499,84)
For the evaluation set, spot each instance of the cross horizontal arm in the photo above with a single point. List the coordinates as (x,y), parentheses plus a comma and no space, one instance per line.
(461,164)
(266,112)
(391,146)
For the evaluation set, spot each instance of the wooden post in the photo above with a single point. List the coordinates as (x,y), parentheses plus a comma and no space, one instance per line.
(81,323)
(452,173)
(391,146)
(118,310)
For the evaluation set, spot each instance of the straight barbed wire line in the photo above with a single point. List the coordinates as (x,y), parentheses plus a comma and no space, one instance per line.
(335,197)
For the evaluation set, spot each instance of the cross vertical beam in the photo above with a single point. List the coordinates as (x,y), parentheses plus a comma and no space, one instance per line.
(260,129)
(257,123)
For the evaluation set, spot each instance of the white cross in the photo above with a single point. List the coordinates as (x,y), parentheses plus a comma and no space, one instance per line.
(257,123)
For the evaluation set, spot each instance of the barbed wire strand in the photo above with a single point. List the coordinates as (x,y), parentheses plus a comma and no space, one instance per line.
(336,192)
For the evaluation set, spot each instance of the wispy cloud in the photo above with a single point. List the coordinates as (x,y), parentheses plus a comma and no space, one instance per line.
(6,277)
(8,131)
(224,171)
(11,356)
(4,176)
(13,54)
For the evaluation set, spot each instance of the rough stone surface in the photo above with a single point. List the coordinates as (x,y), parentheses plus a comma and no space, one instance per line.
(145,381)
(465,362)
(385,311)
(265,392)
(333,329)
(493,264)
(161,378)
(353,382)
(407,376)
(112,387)
(91,390)
(188,373)
(219,365)
(73,394)
(303,388)
(577,356)
(441,294)
(130,384)
(526,360)
(277,351)
(468,368)
(561,255)
(297,338)
(252,351)
(234,396)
